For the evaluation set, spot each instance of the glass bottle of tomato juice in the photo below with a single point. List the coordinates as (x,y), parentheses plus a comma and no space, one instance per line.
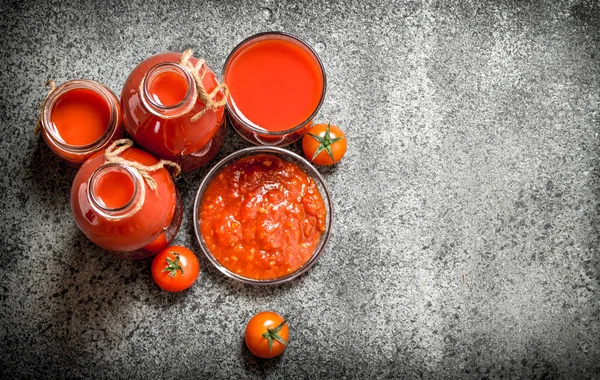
(124,200)
(79,118)
(165,111)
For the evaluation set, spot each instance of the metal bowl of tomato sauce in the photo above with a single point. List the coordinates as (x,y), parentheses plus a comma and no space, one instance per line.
(263,215)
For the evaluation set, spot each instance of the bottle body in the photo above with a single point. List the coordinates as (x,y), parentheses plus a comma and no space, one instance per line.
(159,101)
(79,118)
(116,209)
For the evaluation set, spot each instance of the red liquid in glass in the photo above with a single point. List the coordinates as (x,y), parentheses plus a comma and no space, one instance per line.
(275,84)
(168,89)
(175,138)
(80,117)
(146,226)
(114,190)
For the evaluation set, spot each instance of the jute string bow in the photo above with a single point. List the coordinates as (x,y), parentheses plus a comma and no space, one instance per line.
(112,155)
(207,98)
(38,125)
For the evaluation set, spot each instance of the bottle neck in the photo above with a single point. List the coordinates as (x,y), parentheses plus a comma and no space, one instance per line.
(168,90)
(116,191)
(61,116)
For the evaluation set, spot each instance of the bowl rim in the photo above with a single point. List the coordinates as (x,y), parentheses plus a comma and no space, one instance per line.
(279,35)
(312,172)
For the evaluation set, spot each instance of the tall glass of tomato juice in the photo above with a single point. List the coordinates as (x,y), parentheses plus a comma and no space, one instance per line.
(160,99)
(79,118)
(277,85)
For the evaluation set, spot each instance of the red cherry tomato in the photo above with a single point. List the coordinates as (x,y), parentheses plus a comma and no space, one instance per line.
(175,268)
(157,244)
(324,144)
(266,334)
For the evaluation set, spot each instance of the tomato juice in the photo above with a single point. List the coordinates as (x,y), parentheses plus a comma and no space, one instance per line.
(114,189)
(261,217)
(79,118)
(168,89)
(276,84)
(116,209)
(159,100)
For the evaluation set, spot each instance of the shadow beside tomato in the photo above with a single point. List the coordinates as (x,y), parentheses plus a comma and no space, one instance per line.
(258,366)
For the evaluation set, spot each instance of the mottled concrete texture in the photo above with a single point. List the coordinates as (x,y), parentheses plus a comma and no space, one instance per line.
(467,225)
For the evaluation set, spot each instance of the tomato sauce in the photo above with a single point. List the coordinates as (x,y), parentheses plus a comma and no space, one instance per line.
(80,117)
(274,84)
(262,217)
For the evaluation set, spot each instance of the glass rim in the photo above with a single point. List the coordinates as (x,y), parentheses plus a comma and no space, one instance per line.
(302,43)
(107,96)
(159,68)
(138,189)
(310,170)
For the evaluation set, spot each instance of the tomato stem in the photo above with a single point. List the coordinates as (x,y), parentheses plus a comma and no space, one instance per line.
(273,334)
(173,266)
(325,142)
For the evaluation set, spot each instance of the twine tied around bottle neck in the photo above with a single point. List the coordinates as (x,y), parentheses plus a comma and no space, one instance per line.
(112,155)
(38,125)
(207,98)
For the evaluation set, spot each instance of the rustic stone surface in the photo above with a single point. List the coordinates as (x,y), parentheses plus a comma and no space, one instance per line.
(467,226)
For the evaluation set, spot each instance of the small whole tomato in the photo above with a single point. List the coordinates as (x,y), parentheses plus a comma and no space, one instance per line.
(324,144)
(175,268)
(157,244)
(266,334)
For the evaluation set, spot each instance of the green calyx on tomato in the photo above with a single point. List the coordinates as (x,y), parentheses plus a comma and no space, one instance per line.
(273,334)
(181,270)
(325,142)
(173,266)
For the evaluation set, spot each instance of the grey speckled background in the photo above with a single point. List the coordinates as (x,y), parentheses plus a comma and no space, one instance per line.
(467,231)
